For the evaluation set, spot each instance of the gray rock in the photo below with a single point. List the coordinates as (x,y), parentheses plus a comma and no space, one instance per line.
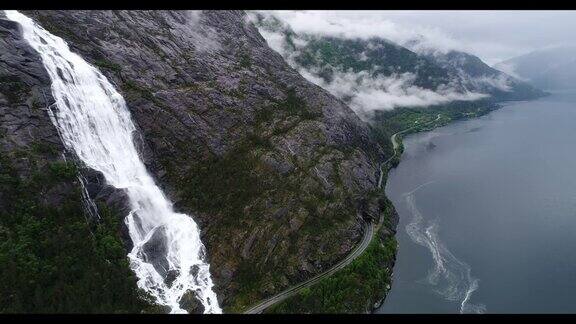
(154,252)
(196,85)
(190,303)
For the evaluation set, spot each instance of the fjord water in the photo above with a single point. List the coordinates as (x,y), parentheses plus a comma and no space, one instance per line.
(488,213)
(94,122)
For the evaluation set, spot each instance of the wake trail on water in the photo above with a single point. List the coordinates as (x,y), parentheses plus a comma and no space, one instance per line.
(94,122)
(450,276)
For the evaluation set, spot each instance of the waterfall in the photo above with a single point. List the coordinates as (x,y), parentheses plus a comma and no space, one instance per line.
(94,122)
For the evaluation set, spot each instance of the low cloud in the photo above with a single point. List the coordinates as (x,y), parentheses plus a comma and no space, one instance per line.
(500,82)
(366,25)
(189,26)
(366,93)
(510,69)
(489,35)
(363,91)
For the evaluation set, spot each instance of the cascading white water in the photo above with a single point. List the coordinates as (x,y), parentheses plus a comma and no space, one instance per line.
(94,122)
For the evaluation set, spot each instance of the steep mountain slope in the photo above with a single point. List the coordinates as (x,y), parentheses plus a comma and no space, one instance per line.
(279,174)
(549,68)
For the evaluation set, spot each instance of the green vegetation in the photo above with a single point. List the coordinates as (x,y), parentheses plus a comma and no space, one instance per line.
(242,194)
(379,58)
(226,184)
(357,287)
(388,122)
(103,63)
(353,289)
(245,61)
(132,89)
(12,87)
(62,170)
(51,258)
(373,57)
(293,105)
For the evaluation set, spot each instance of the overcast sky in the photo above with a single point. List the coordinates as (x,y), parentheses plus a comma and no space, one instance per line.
(492,35)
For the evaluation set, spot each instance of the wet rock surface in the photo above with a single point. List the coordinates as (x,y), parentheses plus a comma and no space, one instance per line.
(155,251)
(24,99)
(190,303)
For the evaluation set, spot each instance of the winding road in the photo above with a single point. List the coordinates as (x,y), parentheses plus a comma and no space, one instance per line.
(259,308)
(395,145)
(370,229)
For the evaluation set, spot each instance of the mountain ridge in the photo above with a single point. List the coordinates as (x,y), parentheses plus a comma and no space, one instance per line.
(376,67)
(548,68)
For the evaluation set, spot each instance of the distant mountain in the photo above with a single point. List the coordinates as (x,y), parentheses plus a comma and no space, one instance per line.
(479,76)
(379,56)
(375,73)
(549,68)
(324,55)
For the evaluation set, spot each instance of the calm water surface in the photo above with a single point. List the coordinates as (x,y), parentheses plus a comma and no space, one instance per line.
(488,213)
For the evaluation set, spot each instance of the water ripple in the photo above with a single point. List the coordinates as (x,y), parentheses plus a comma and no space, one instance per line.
(450,277)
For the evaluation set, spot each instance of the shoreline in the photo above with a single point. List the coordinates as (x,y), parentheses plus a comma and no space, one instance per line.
(400,144)
(319,288)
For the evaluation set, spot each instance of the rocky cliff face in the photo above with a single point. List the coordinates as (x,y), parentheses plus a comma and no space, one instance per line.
(278,173)
(25,97)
